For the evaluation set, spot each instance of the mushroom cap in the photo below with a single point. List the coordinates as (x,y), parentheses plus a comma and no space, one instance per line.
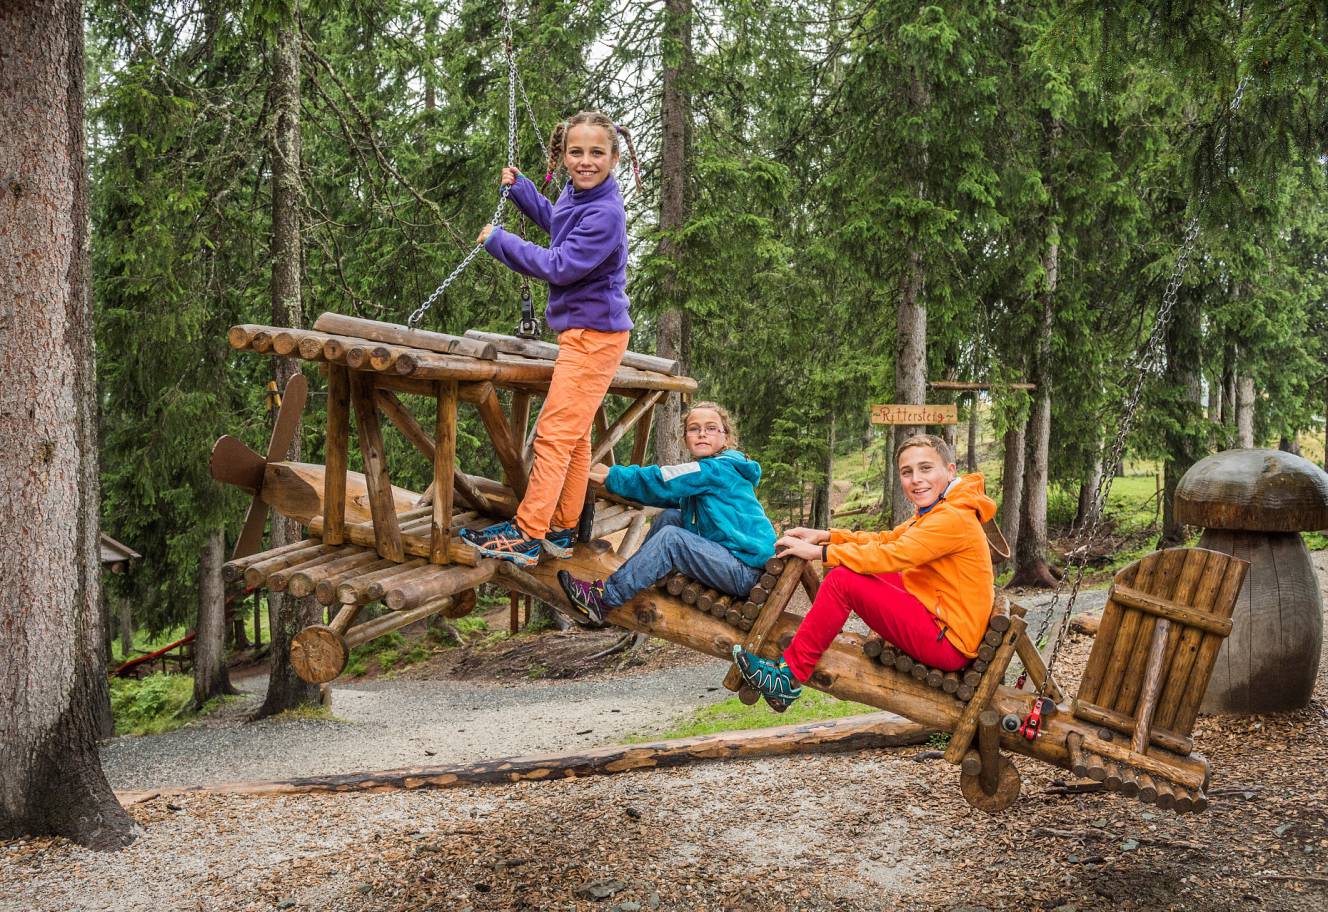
(1256,490)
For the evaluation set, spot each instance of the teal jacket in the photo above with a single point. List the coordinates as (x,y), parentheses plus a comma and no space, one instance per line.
(717,496)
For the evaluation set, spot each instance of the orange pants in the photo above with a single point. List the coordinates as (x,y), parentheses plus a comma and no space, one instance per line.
(587,361)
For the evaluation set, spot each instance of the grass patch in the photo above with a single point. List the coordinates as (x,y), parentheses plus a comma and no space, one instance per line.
(155,704)
(734,715)
(309,712)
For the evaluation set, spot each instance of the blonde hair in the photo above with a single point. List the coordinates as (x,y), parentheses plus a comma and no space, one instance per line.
(927,440)
(558,141)
(725,419)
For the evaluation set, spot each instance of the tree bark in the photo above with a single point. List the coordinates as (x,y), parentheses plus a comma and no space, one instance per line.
(821,506)
(1244,411)
(1030,568)
(1088,511)
(288,616)
(1184,347)
(210,675)
(972,461)
(54,672)
(910,324)
(1012,486)
(673,327)
(126,620)
(1229,386)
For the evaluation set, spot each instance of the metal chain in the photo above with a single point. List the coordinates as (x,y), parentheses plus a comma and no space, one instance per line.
(512,79)
(1143,365)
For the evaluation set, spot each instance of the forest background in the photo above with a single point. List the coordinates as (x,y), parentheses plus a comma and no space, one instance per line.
(842,200)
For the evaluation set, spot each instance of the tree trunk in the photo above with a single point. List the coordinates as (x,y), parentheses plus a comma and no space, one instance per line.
(821,505)
(910,323)
(673,327)
(210,676)
(1229,386)
(1088,511)
(1012,485)
(1184,346)
(1289,444)
(1245,411)
(54,672)
(126,617)
(288,616)
(972,462)
(1030,568)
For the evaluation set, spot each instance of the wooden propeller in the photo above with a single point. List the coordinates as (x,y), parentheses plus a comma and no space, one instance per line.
(234,463)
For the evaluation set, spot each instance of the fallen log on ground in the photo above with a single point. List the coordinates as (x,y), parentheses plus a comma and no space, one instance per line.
(873,730)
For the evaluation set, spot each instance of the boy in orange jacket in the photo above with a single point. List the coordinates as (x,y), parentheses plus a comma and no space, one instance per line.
(926,586)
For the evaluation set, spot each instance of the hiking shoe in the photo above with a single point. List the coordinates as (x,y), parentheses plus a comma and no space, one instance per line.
(586,595)
(778,704)
(559,542)
(517,547)
(481,537)
(773,679)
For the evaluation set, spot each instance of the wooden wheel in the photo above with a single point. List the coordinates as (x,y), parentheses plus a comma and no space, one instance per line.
(1007,789)
(318,654)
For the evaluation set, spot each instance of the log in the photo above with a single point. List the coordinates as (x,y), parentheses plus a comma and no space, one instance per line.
(904,662)
(394,334)
(855,733)
(691,592)
(307,577)
(1152,685)
(935,677)
(444,464)
(356,591)
(872,646)
(233,570)
(989,750)
(370,630)
(950,682)
(676,584)
(1005,793)
(919,671)
(1074,745)
(412,591)
(1037,669)
(972,763)
(377,589)
(387,532)
(413,545)
(1124,724)
(500,435)
(533,348)
(1156,762)
(256,574)
(962,735)
(1000,613)
(733,617)
(337,454)
(326,589)
(634,412)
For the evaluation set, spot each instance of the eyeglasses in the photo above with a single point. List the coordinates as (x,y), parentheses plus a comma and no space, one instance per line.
(696,430)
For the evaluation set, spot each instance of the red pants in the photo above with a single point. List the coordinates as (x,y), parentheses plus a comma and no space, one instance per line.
(886,606)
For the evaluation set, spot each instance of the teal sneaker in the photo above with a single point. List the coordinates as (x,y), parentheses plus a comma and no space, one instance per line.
(559,542)
(516,547)
(773,680)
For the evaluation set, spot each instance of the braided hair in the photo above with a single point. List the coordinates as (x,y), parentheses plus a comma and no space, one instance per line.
(558,142)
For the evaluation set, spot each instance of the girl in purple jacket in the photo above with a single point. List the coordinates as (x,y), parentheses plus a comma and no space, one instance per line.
(585,265)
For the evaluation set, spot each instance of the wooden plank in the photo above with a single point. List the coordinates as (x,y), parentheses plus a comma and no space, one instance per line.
(1177,576)
(989,750)
(1159,764)
(337,454)
(1037,670)
(444,467)
(547,351)
(387,533)
(1123,647)
(1187,644)
(1125,725)
(1187,709)
(641,439)
(758,637)
(601,428)
(609,437)
(462,484)
(412,545)
(962,736)
(500,434)
(1171,610)
(1100,656)
(395,334)
(1152,685)
(519,416)
(906,414)
(409,593)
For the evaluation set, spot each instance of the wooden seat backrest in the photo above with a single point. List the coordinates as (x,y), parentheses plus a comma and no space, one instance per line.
(1194,590)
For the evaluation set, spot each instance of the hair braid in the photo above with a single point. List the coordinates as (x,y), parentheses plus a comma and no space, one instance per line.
(555,150)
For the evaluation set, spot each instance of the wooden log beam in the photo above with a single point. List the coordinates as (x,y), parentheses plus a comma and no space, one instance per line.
(233,571)
(547,351)
(337,454)
(1152,685)
(306,577)
(1119,722)
(394,334)
(758,638)
(991,679)
(444,472)
(989,750)
(624,423)
(500,435)
(855,733)
(415,590)
(413,545)
(387,532)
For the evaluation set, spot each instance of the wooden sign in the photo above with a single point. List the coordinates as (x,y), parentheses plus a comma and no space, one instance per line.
(915,414)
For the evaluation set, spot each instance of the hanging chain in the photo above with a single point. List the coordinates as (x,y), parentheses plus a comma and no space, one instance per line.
(1142,366)
(497,221)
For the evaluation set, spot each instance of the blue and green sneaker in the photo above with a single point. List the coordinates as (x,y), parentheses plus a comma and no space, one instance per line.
(514,546)
(773,680)
(559,542)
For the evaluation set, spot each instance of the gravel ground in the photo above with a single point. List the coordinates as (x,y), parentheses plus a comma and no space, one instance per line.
(868,831)
(388,724)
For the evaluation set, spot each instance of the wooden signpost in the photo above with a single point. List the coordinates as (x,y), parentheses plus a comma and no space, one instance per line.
(915,414)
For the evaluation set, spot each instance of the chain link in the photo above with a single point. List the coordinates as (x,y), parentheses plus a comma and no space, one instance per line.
(513,78)
(1142,366)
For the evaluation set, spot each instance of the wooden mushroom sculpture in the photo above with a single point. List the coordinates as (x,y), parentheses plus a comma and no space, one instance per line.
(1253,504)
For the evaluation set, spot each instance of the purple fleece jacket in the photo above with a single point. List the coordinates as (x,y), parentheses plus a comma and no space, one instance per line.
(585,263)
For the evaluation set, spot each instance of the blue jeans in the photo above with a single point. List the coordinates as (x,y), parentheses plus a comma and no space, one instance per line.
(670,547)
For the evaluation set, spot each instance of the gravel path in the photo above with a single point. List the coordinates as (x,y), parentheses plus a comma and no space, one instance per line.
(388,724)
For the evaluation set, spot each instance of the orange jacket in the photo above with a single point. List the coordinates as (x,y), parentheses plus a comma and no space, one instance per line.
(942,556)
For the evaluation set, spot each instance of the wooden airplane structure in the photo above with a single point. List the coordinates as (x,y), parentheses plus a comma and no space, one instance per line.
(368,541)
